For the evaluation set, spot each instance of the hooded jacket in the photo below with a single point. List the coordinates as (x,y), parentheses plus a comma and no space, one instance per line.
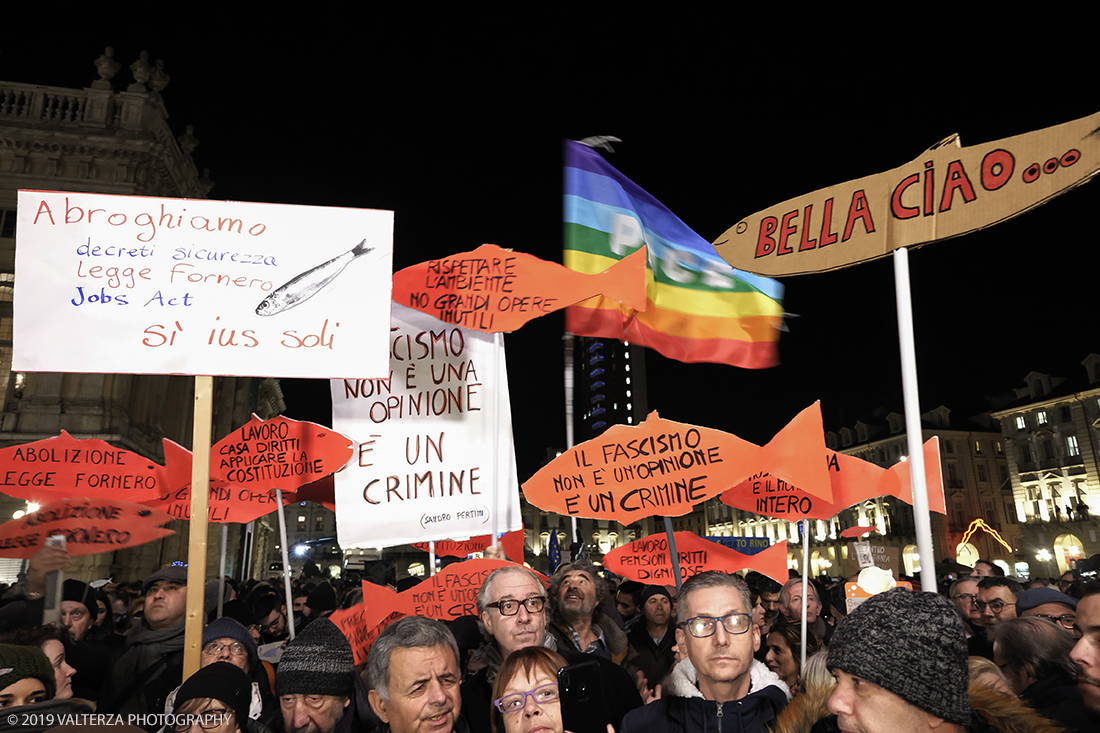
(683,709)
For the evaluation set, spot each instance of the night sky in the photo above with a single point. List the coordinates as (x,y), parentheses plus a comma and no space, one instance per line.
(458,129)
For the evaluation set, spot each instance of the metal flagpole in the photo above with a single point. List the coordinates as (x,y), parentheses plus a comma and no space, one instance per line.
(805,582)
(921,518)
(431,556)
(672,553)
(568,339)
(286,563)
(221,578)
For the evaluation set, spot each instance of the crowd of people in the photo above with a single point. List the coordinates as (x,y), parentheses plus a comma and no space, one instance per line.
(721,653)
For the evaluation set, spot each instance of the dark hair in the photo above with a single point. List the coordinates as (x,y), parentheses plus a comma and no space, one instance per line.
(1000,582)
(792,635)
(527,660)
(1037,642)
(264,605)
(558,578)
(997,570)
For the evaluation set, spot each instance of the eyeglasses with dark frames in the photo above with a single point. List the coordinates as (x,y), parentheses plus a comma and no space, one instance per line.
(995,606)
(510,606)
(1066,620)
(703,626)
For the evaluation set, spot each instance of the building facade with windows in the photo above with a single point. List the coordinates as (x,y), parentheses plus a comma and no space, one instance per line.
(1050,430)
(110,137)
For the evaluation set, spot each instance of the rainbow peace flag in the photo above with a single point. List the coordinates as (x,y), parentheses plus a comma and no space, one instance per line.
(699,308)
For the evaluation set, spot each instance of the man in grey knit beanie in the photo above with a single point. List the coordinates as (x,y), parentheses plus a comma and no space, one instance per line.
(315,679)
(900,664)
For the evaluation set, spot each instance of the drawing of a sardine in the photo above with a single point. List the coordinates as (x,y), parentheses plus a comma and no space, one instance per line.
(309,283)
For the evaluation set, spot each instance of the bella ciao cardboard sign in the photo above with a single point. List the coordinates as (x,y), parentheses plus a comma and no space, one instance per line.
(432,454)
(947,191)
(173,286)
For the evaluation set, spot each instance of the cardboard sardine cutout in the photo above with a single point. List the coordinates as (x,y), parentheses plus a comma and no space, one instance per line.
(56,468)
(647,560)
(853,480)
(497,290)
(665,468)
(90,526)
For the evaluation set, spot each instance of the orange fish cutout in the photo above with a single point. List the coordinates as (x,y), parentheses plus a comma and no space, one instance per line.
(56,468)
(853,480)
(89,526)
(452,592)
(665,468)
(512,542)
(498,290)
(648,560)
(278,453)
(363,622)
(227,503)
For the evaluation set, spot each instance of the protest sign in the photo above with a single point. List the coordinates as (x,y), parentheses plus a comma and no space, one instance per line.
(279,453)
(171,286)
(59,467)
(665,468)
(452,592)
(89,526)
(433,455)
(853,480)
(362,625)
(647,560)
(512,542)
(874,555)
(493,289)
(947,191)
(744,545)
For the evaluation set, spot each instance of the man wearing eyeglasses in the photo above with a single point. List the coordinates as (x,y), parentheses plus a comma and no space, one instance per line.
(997,601)
(719,677)
(226,640)
(1050,604)
(512,604)
(1034,654)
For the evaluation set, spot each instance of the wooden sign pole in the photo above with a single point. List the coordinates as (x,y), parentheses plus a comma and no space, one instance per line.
(200,501)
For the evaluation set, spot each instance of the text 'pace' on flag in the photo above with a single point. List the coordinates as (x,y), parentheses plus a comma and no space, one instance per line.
(699,309)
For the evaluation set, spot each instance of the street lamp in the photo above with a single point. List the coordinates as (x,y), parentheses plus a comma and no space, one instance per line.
(1045,557)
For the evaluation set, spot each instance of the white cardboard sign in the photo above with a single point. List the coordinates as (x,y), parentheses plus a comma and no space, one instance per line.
(433,455)
(187,286)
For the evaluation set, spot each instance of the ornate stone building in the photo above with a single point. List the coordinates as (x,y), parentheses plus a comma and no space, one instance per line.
(1052,436)
(101,140)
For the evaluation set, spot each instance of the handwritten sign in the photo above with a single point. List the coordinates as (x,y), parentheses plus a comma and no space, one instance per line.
(853,480)
(433,455)
(90,526)
(172,286)
(648,560)
(512,542)
(452,592)
(63,466)
(362,627)
(665,468)
(493,289)
(279,453)
(946,191)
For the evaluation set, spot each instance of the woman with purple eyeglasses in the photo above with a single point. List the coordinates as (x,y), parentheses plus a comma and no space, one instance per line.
(525,694)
